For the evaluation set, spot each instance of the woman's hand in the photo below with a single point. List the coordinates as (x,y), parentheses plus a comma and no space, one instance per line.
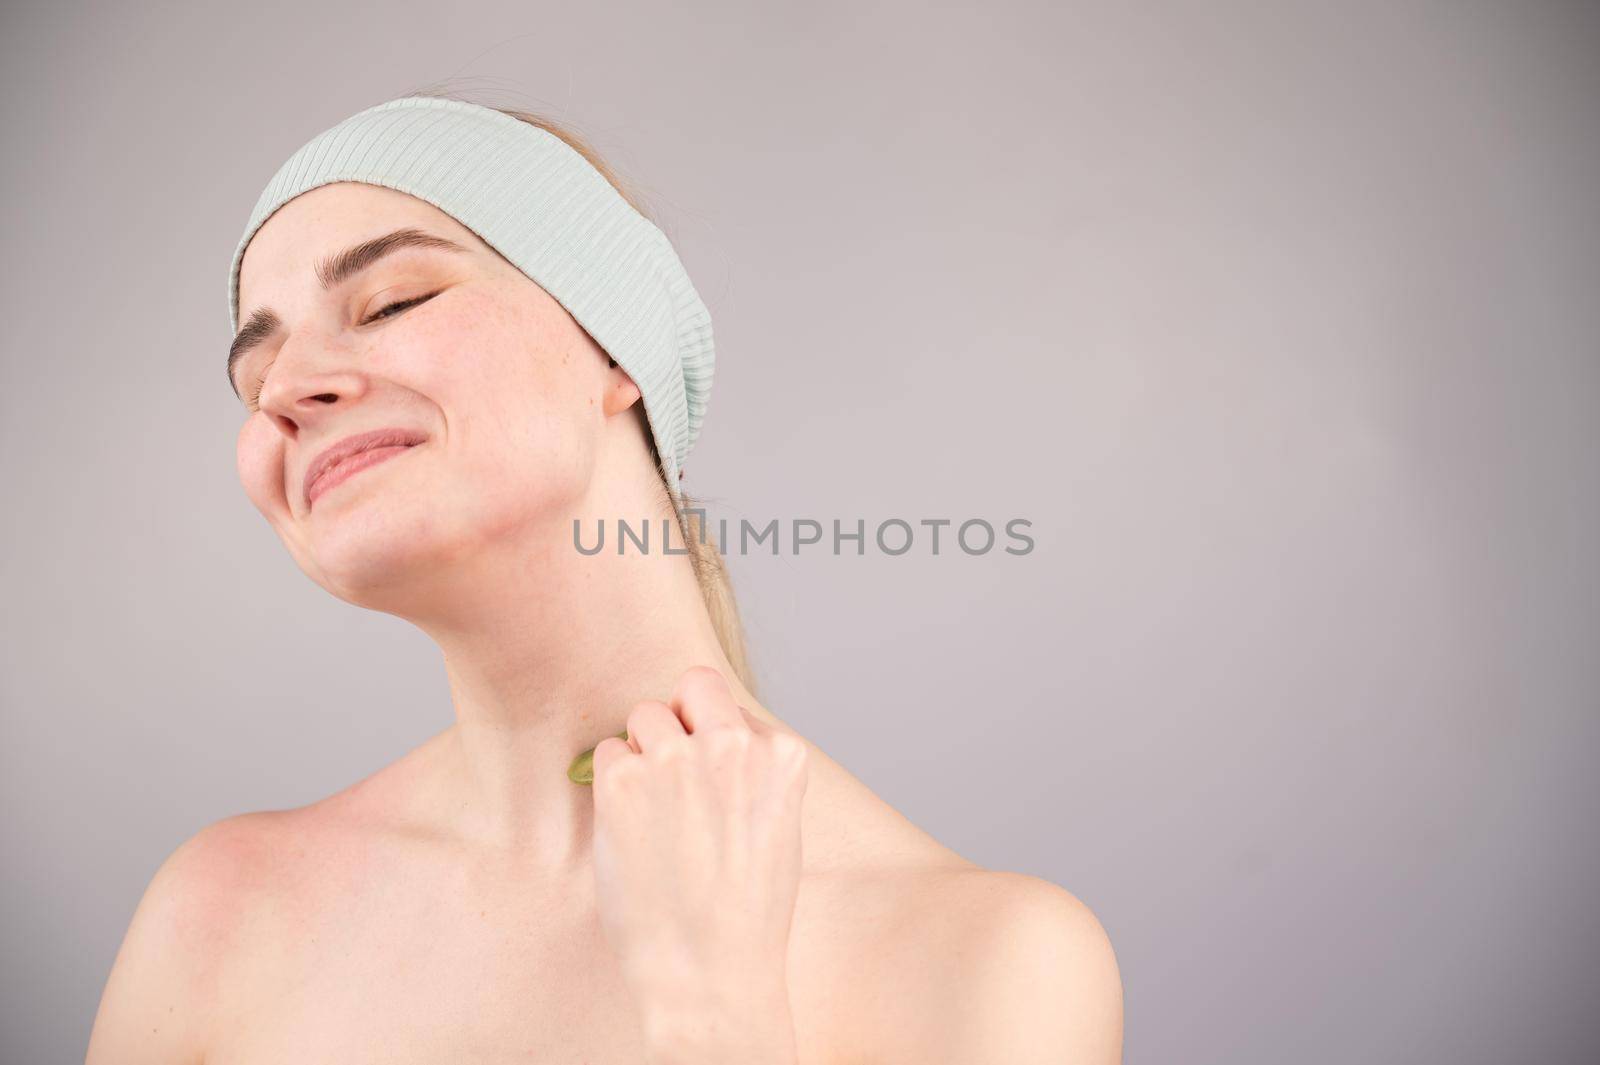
(697,867)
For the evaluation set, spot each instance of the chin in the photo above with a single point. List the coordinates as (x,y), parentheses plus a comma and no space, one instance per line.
(369,549)
(397,548)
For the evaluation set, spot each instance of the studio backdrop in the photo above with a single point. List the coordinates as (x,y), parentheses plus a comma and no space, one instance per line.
(1179,423)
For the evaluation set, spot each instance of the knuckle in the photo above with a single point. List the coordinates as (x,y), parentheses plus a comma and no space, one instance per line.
(789,747)
(616,778)
(672,751)
(723,738)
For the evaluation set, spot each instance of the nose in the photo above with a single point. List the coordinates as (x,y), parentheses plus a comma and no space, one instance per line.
(308,381)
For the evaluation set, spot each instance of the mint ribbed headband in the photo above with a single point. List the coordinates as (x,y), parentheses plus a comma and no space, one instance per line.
(538,202)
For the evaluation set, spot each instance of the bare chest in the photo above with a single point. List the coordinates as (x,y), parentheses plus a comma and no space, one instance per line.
(420,974)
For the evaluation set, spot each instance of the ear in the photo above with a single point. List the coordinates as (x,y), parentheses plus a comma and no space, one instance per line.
(621,392)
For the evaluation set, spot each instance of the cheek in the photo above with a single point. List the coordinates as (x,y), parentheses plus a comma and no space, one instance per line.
(260,464)
(491,343)
(526,448)
(514,396)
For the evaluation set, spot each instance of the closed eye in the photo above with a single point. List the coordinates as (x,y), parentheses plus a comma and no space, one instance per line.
(382,313)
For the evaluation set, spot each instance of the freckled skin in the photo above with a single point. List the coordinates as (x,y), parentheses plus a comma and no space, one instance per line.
(487,367)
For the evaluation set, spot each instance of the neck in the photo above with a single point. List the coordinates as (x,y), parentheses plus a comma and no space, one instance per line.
(547,651)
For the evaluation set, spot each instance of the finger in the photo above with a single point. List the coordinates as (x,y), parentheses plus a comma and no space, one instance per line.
(651,722)
(764,727)
(702,698)
(581,771)
(606,753)
(756,724)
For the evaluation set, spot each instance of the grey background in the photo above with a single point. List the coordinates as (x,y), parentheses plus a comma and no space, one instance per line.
(1278,321)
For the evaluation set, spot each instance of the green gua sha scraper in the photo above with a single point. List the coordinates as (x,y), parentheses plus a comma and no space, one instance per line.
(581,771)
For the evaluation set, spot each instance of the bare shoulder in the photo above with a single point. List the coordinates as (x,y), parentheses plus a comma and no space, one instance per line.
(236,883)
(947,961)
(1002,966)
(159,1002)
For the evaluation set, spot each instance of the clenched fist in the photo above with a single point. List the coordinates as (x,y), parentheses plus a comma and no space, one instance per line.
(697,861)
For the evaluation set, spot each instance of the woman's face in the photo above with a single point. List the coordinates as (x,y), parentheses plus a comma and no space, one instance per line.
(506,394)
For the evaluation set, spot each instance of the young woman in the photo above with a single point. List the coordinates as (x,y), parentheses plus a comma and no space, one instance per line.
(424,424)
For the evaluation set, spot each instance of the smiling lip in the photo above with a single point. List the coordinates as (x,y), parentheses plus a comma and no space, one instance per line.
(354,454)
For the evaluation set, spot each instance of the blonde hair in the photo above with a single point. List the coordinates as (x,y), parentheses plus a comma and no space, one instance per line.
(710,568)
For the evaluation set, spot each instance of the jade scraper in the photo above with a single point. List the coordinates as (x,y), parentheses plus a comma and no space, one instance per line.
(581,771)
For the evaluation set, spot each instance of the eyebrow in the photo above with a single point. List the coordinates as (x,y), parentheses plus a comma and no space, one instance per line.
(332,272)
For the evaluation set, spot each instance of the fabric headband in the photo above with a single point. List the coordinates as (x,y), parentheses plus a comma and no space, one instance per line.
(538,202)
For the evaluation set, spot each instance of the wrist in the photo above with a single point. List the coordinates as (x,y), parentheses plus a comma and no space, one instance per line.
(700,1026)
